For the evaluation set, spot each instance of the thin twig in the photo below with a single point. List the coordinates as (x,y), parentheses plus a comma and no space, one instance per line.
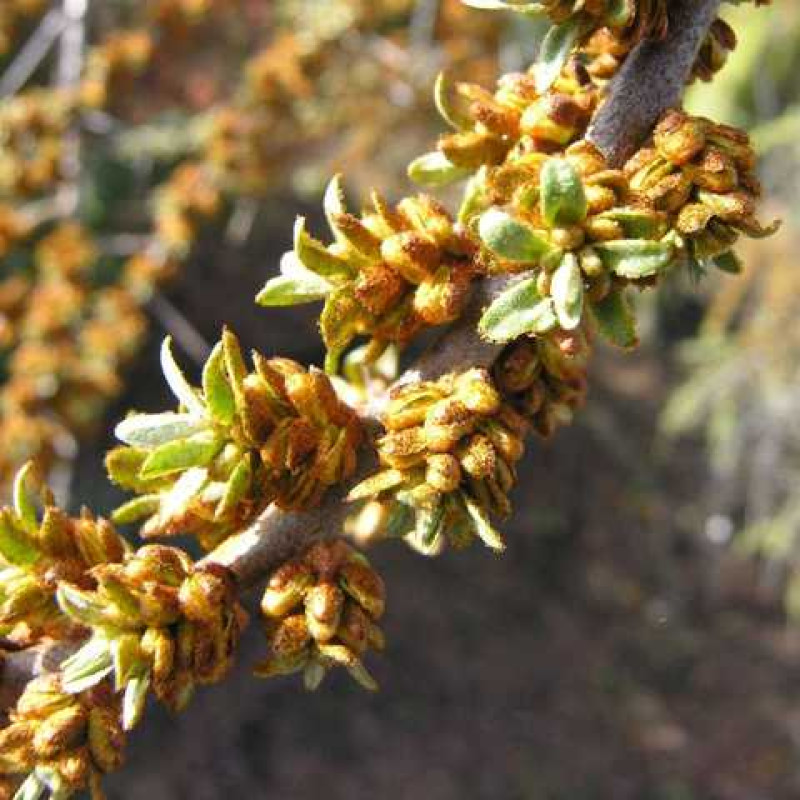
(32,54)
(174,322)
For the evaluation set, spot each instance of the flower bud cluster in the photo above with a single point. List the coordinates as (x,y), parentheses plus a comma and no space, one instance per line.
(320,611)
(505,127)
(189,200)
(32,127)
(62,742)
(389,273)
(701,174)
(67,340)
(276,434)
(112,65)
(545,377)
(41,545)
(158,622)
(448,458)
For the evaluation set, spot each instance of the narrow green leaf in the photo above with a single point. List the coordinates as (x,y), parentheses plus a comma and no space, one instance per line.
(16,546)
(281,292)
(555,49)
(567,292)
(237,488)
(152,430)
(635,258)
(24,501)
(134,699)
(519,310)
(217,389)
(136,509)
(638,223)
(446,104)
(87,667)
(435,170)
(510,238)
(483,527)
(315,257)
(235,367)
(334,201)
(127,657)
(615,320)
(561,194)
(32,788)
(82,606)
(187,396)
(505,5)
(474,199)
(180,455)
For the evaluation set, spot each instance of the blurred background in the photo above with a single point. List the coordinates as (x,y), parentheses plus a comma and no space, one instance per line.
(639,639)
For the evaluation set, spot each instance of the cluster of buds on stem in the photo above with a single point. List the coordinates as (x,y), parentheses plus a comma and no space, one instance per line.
(448,458)
(67,338)
(320,611)
(701,174)
(277,434)
(32,128)
(41,545)
(157,621)
(114,64)
(60,742)
(388,274)
(189,200)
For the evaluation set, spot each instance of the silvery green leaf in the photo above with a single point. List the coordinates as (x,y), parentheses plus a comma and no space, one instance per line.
(519,310)
(152,430)
(334,200)
(511,238)
(80,605)
(136,509)
(24,502)
(186,489)
(483,527)
(505,5)
(16,546)
(314,256)
(217,389)
(187,396)
(474,199)
(567,292)
(615,320)
(638,223)
(561,194)
(180,455)
(313,674)
(446,105)
(635,258)
(134,699)
(435,170)
(88,666)
(282,292)
(32,788)
(237,487)
(555,49)
(127,658)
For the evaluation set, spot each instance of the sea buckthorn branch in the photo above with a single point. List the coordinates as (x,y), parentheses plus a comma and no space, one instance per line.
(553,236)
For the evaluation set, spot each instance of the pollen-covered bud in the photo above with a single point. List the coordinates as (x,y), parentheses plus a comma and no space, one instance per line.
(448,459)
(702,175)
(158,620)
(545,378)
(388,274)
(279,433)
(40,544)
(336,601)
(60,740)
